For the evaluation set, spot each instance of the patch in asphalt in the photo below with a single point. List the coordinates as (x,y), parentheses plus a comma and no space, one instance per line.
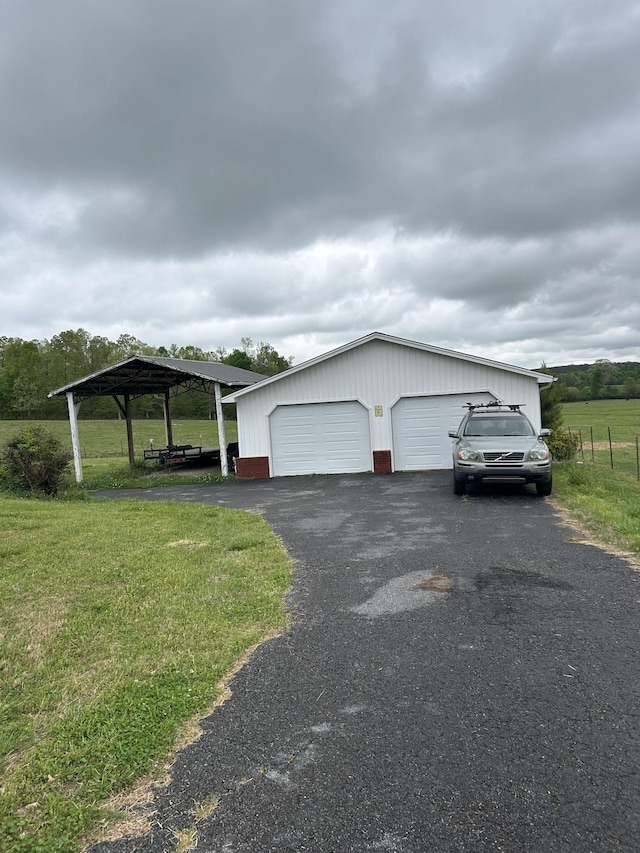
(437,583)
(399,595)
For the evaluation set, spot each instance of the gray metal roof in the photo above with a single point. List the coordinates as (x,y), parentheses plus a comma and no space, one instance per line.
(150,374)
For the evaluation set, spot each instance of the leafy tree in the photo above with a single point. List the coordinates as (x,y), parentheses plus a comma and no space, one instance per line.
(269,362)
(101,353)
(239,358)
(21,377)
(193,353)
(26,394)
(596,381)
(127,346)
(262,357)
(551,403)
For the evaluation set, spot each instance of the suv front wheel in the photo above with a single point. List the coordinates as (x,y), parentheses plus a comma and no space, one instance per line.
(459,488)
(543,490)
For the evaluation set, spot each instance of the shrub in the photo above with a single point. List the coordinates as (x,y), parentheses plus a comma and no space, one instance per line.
(35,460)
(562,444)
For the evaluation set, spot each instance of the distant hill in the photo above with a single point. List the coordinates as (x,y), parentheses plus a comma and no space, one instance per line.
(633,366)
(601,380)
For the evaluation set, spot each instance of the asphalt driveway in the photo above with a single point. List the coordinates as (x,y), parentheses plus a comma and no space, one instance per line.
(461,675)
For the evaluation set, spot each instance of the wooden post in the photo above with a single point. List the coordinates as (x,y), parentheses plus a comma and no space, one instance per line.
(610,446)
(168,428)
(127,414)
(75,440)
(222,440)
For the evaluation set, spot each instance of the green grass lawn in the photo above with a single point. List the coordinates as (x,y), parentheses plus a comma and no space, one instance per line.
(604,499)
(118,620)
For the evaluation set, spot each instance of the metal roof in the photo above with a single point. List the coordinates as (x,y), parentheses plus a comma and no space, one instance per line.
(147,374)
(542,379)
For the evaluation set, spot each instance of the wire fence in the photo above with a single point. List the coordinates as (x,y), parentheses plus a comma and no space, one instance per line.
(608,450)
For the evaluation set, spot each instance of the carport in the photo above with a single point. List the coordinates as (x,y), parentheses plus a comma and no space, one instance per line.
(141,375)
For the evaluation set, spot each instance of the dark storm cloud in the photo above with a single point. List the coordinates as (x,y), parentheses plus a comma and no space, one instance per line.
(321,169)
(190,125)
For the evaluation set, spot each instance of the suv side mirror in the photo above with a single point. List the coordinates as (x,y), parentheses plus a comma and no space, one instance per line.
(453,433)
(545,432)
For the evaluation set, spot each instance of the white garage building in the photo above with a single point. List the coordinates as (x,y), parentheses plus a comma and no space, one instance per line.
(378,404)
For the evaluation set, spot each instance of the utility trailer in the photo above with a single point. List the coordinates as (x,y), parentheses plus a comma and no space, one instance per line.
(188,454)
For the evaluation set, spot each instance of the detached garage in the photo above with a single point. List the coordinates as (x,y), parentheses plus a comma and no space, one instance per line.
(378,404)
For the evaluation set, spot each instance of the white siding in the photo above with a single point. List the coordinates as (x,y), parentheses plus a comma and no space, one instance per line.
(378,373)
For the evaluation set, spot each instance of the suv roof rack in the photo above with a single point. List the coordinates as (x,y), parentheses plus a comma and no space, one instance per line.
(495,404)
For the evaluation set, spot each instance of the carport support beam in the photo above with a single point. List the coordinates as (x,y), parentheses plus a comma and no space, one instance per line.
(75,439)
(222,440)
(168,428)
(127,414)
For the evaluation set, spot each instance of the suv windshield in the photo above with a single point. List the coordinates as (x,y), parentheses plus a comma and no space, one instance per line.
(487,425)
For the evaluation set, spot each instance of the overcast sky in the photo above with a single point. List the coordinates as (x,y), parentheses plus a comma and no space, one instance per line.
(304,172)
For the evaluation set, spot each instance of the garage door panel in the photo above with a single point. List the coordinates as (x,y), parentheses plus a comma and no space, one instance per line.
(420,429)
(320,438)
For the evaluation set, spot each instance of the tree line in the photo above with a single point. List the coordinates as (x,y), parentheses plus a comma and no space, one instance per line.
(602,380)
(29,370)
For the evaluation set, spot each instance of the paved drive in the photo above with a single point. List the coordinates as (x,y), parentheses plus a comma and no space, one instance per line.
(461,675)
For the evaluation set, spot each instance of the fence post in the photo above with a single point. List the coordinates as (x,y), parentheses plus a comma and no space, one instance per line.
(610,446)
(637,457)
(581,445)
(593,458)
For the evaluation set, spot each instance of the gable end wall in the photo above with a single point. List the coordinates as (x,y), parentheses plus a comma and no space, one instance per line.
(377,374)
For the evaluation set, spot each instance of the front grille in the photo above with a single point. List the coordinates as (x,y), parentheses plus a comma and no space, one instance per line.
(506,457)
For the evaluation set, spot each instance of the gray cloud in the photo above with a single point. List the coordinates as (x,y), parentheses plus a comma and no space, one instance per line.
(305,173)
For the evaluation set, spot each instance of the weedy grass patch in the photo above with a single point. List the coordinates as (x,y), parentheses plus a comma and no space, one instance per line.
(118,621)
(605,501)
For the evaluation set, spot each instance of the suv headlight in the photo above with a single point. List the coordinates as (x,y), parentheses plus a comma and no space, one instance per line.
(467,455)
(539,454)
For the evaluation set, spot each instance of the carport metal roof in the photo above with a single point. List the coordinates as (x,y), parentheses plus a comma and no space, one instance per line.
(145,374)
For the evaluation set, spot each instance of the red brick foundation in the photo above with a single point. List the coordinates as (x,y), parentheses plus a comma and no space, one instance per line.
(382,462)
(253,467)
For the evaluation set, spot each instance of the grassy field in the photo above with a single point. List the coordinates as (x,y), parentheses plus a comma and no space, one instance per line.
(104,439)
(594,420)
(623,416)
(604,499)
(118,620)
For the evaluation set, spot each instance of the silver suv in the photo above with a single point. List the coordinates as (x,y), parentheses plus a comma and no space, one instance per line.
(496,443)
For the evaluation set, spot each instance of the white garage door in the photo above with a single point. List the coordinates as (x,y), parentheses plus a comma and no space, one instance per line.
(320,438)
(420,426)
